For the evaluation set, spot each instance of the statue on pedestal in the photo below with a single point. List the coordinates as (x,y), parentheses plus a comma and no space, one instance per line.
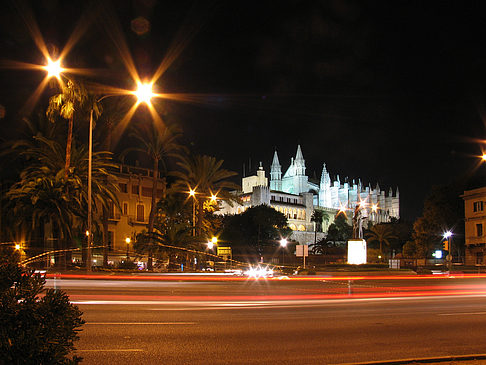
(359,216)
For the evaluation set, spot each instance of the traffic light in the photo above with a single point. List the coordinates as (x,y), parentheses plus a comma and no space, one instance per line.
(446,245)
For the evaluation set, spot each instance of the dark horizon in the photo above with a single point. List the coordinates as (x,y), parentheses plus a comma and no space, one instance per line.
(392,93)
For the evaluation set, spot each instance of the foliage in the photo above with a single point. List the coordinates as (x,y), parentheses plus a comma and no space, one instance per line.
(35,329)
(44,194)
(318,216)
(73,99)
(381,233)
(255,228)
(172,225)
(205,175)
(158,142)
(339,230)
(442,212)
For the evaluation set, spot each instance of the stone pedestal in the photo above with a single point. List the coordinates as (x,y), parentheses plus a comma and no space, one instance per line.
(356,251)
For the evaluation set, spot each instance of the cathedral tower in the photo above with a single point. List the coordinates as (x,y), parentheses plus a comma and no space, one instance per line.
(275,174)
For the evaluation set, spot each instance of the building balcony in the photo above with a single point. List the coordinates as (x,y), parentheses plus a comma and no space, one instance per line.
(475,240)
(135,221)
(114,217)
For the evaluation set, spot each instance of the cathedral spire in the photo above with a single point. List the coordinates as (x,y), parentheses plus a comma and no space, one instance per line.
(299,162)
(275,174)
(299,156)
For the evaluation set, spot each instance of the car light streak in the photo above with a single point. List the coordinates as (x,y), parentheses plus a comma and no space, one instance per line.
(230,277)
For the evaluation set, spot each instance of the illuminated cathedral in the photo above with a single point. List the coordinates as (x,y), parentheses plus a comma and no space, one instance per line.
(294,195)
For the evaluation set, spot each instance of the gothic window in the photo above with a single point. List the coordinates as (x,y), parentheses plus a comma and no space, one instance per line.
(478,206)
(292,227)
(301,227)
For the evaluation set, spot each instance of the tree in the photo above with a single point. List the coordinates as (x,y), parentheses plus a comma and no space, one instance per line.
(172,225)
(43,194)
(318,216)
(159,144)
(205,175)
(72,99)
(339,231)
(254,229)
(38,326)
(381,233)
(443,211)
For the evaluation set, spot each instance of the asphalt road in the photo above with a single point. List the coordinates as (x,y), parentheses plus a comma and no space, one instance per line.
(322,321)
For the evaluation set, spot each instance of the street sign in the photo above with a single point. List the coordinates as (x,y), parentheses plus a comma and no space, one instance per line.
(224,251)
(301,250)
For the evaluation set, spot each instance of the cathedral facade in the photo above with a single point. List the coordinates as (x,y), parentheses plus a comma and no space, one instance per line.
(294,195)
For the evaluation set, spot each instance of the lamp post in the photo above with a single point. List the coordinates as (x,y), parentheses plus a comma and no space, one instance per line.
(144,94)
(192,193)
(448,236)
(128,240)
(283,244)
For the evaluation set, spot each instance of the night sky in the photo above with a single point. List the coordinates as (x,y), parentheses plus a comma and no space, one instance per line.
(387,91)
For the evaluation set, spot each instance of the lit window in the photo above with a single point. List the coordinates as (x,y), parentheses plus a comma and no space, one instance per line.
(293,227)
(301,227)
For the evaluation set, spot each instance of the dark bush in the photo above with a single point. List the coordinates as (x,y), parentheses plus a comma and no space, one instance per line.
(35,329)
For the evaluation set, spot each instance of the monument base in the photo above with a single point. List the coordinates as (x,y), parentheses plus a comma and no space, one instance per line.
(356,251)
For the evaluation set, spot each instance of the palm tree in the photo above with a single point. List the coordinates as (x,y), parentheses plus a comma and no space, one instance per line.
(381,233)
(204,175)
(318,216)
(72,99)
(44,194)
(159,144)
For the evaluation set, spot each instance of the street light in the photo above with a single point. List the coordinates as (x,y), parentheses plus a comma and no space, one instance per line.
(283,244)
(212,243)
(448,236)
(144,94)
(128,240)
(192,193)
(53,68)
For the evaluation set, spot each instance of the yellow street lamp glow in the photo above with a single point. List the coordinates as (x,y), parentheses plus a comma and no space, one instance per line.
(144,92)
(210,245)
(283,242)
(87,233)
(213,198)
(53,68)
(192,192)
(483,157)
(214,240)
(374,207)
(128,240)
(17,246)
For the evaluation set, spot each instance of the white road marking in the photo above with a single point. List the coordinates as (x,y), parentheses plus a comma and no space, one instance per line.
(140,323)
(462,314)
(110,350)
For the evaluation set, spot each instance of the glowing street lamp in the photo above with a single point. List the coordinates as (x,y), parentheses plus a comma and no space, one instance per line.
(144,92)
(53,68)
(283,244)
(128,240)
(212,243)
(192,193)
(448,236)
(483,157)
